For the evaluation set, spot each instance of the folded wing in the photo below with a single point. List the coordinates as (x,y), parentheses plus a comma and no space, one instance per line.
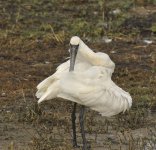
(95,90)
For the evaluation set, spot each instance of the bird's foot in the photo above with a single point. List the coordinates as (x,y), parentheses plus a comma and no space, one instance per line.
(86,147)
(76,146)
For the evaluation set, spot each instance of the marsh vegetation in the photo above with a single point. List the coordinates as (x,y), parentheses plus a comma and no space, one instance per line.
(34,38)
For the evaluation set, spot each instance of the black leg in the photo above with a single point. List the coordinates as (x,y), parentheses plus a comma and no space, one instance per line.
(73,116)
(81,118)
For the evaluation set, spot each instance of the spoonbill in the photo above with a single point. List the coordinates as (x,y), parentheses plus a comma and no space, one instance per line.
(85,79)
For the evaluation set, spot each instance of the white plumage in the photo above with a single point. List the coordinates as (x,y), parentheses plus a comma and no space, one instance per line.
(89,84)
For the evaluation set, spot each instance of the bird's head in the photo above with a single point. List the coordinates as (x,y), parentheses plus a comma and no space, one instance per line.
(74,46)
(75,40)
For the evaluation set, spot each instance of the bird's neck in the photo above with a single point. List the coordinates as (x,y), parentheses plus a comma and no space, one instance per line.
(85,53)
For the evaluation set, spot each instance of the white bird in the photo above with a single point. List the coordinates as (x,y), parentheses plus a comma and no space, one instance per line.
(85,79)
(148,41)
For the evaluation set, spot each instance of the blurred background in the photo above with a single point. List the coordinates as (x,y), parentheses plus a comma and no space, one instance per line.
(34,40)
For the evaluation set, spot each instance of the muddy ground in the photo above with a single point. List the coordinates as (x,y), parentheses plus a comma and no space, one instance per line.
(26,60)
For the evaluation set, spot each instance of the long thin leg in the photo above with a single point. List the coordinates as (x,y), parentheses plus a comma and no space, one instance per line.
(73,116)
(81,118)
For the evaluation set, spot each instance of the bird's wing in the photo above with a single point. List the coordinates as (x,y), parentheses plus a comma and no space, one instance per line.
(95,89)
(45,89)
(51,92)
(45,84)
(108,100)
(63,67)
